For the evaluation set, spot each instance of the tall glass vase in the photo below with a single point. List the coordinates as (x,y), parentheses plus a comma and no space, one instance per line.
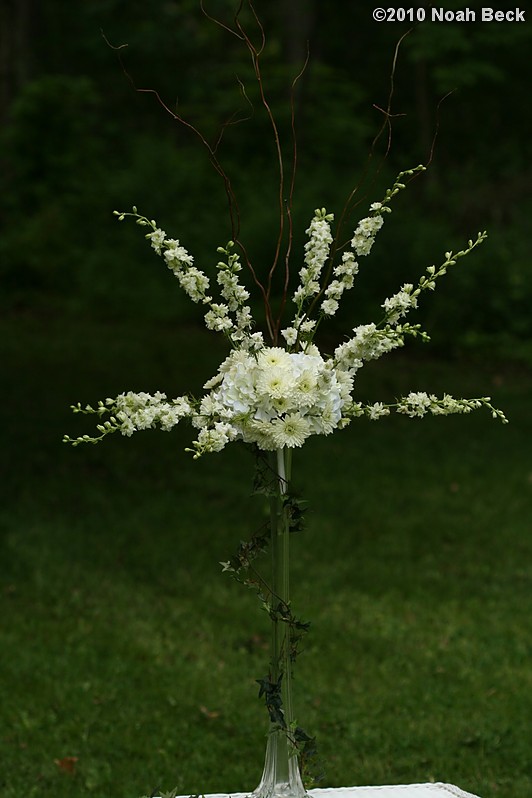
(281,777)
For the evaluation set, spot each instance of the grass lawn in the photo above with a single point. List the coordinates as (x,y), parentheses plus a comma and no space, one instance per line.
(129,661)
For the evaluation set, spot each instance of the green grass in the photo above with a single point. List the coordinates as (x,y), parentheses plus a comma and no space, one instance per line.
(124,646)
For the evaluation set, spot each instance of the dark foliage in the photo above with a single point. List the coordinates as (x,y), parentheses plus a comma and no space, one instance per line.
(79,141)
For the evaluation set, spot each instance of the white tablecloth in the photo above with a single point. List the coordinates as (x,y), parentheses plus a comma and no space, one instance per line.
(436,790)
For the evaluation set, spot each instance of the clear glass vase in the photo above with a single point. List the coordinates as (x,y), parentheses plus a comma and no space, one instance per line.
(281,777)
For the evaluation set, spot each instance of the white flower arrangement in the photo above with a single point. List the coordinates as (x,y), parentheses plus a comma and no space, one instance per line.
(277,397)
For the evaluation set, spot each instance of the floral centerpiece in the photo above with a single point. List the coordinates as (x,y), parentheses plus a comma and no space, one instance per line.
(274,390)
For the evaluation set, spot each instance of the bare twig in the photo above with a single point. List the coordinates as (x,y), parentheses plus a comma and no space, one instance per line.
(231,122)
(234,213)
(255,59)
(437,126)
(241,34)
(221,24)
(289,203)
(388,116)
(348,206)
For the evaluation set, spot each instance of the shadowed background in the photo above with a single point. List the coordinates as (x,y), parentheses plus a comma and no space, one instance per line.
(129,661)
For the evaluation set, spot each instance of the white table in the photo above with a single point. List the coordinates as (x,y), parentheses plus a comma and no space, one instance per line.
(432,790)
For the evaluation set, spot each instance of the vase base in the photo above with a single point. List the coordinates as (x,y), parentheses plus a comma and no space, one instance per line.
(283,790)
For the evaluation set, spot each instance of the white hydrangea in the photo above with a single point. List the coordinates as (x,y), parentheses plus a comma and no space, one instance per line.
(274,398)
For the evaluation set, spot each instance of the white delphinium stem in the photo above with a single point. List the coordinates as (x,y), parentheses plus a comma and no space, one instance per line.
(317,251)
(131,412)
(399,304)
(193,281)
(418,404)
(343,274)
(369,343)
(232,317)
(367,228)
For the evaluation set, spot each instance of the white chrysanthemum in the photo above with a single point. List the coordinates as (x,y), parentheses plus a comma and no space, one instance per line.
(306,387)
(290,431)
(281,405)
(273,356)
(260,433)
(276,382)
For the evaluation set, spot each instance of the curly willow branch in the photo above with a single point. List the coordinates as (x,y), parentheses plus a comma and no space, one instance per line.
(234,212)
(289,204)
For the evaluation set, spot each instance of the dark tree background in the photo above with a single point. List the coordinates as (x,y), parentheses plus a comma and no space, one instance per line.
(78,141)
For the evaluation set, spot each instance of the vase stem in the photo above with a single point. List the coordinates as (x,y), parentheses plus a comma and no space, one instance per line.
(281,777)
